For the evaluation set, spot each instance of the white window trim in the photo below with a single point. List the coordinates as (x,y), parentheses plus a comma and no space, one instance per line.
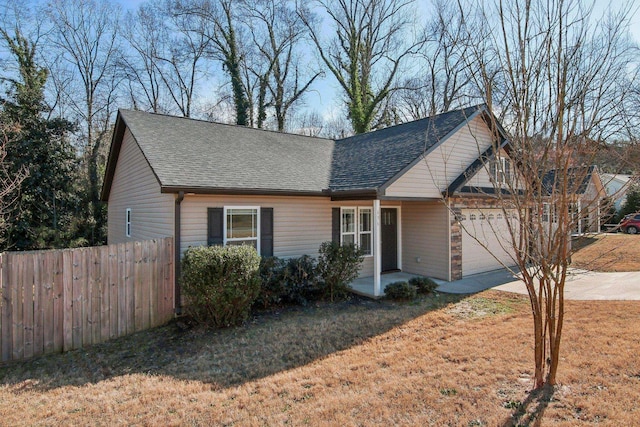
(370,232)
(224,226)
(127,222)
(356,227)
(501,167)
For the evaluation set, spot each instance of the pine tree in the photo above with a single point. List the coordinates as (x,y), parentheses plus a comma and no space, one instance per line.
(44,211)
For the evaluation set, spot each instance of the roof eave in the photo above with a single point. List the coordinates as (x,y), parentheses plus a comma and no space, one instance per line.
(114,153)
(241,191)
(354,194)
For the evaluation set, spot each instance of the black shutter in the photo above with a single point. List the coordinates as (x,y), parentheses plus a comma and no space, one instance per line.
(335,225)
(266,232)
(214,226)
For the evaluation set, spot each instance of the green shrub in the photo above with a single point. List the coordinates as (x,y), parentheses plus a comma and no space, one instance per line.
(300,280)
(292,281)
(337,267)
(423,285)
(271,282)
(220,283)
(400,291)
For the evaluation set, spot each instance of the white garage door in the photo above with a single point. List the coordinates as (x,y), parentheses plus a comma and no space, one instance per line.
(491,241)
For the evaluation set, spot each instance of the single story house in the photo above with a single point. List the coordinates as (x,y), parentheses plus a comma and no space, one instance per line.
(400,193)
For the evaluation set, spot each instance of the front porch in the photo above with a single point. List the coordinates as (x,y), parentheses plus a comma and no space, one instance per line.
(365,286)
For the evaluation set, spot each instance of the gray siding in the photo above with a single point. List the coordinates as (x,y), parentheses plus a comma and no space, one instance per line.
(425,234)
(433,174)
(135,187)
(300,224)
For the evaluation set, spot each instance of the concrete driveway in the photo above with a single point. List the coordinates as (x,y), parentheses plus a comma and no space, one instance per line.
(580,285)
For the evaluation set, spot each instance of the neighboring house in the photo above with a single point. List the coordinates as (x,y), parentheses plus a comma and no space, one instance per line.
(587,203)
(400,193)
(616,186)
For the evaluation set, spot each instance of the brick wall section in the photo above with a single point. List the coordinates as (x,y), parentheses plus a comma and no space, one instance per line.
(456,245)
(475,202)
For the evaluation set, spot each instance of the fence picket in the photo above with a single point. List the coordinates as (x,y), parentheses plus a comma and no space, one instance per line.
(16,301)
(67,299)
(113,290)
(39,301)
(58,301)
(6,326)
(45,330)
(130,264)
(105,287)
(96,294)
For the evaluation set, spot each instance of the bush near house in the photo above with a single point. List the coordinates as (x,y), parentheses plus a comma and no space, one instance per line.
(423,285)
(401,291)
(220,283)
(292,281)
(337,267)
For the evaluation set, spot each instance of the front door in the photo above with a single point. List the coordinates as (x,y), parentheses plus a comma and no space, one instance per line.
(389,237)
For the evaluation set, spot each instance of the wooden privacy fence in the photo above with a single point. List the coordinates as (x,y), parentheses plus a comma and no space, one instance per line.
(59,300)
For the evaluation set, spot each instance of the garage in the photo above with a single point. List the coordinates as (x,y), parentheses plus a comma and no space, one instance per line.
(491,241)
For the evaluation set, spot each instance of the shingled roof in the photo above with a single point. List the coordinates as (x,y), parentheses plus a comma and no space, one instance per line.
(195,155)
(200,156)
(553,180)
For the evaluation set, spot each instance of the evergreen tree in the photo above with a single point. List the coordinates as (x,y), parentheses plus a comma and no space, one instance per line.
(43,215)
(632,202)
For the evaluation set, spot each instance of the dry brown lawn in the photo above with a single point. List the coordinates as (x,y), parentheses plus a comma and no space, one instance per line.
(443,360)
(608,252)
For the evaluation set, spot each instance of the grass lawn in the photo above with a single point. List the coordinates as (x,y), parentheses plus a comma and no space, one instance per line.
(442,360)
(608,252)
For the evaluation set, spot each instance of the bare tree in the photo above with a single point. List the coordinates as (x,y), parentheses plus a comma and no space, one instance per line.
(366,52)
(85,34)
(219,27)
(556,76)
(277,32)
(182,62)
(444,78)
(146,34)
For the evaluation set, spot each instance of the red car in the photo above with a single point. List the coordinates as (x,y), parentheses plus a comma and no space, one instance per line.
(630,223)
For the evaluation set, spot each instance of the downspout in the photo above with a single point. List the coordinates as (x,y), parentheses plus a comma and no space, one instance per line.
(176,261)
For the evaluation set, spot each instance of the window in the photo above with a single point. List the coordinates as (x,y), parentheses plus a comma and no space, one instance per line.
(241,226)
(127,222)
(483,216)
(501,170)
(356,227)
(491,217)
(348,226)
(499,216)
(545,212)
(365,231)
(472,217)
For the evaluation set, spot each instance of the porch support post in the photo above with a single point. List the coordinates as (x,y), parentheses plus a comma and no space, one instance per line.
(579,218)
(598,217)
(377,247)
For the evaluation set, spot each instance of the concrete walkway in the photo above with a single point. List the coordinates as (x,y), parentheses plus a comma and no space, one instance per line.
(580,285)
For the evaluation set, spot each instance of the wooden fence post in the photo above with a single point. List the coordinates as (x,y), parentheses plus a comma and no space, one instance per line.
(6,313)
